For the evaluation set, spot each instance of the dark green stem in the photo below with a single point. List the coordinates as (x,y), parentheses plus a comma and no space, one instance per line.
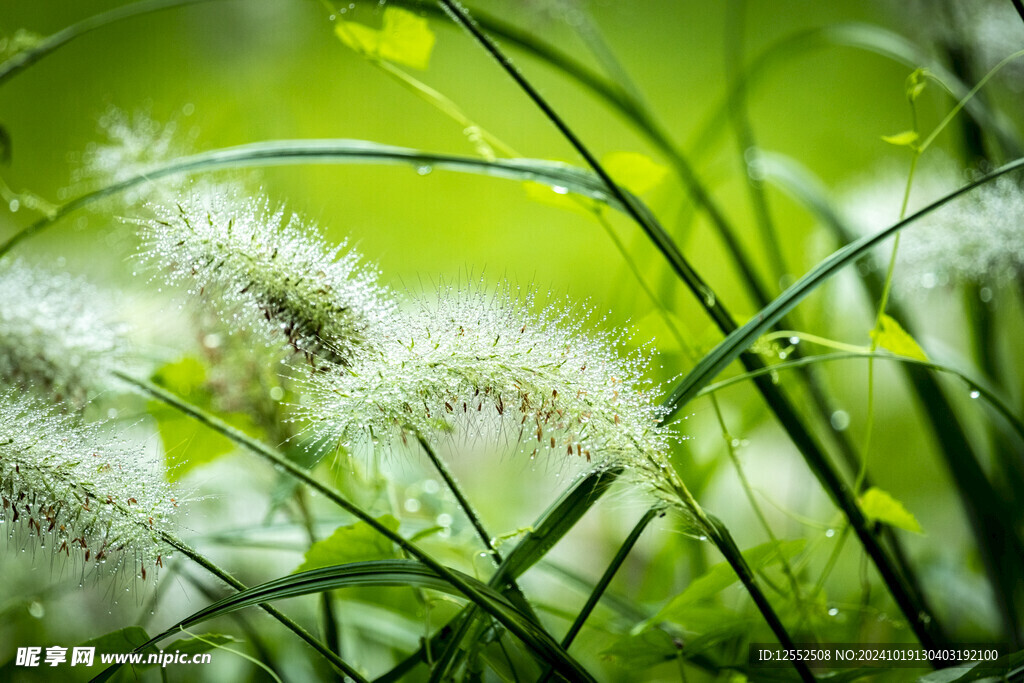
(460,498)
(722,539)
(923,624)
(606,578)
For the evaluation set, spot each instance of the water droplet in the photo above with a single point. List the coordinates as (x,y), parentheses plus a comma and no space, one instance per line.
(840,420)
(558,189)
(412,505)
(15,205)
(425,169)
(444,519)
(985,294)
(975,394)
(36,609)
(794,340)
(829,533)
(833,612)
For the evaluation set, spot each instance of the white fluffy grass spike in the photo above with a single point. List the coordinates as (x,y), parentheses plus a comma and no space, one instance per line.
(976,239)
(477,366)
(56,335)
(84,495)
(268,270)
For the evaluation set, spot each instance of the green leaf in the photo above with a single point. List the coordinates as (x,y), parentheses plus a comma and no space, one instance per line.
(892,337)
(187,443)
(880,506)
(404,38)
(718,578)
(353,543)
(916,82)
(905,139)
(634,171)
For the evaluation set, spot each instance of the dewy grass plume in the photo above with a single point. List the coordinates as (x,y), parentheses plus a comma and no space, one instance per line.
(56,336)
(78,492)
(975,239)
(484,368)
(268,271)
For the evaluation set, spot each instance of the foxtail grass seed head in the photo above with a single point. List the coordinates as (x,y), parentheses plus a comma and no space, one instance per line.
(134,144)
(66,486)
(482,367)
(975,239)
(268,271)
(56,336)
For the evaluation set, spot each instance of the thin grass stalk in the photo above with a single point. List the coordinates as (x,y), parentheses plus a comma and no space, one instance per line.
(327,616)
(460,498)
(474,519)
(747,144)
(604,581)
(869,38)
(922,622)
(283,464)
(720,537)
(207,564)
(592,488)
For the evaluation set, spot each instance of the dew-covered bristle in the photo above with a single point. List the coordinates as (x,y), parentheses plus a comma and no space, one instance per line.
(474,366)
(267,270)
(85,496)
(57,336)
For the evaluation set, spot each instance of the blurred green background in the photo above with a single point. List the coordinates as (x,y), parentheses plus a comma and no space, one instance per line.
(228,72)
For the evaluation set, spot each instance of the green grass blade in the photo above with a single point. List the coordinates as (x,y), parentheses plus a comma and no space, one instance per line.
(560,517)
(384,573)
(738,341)
(988,512)
(557,175)
(557,521)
